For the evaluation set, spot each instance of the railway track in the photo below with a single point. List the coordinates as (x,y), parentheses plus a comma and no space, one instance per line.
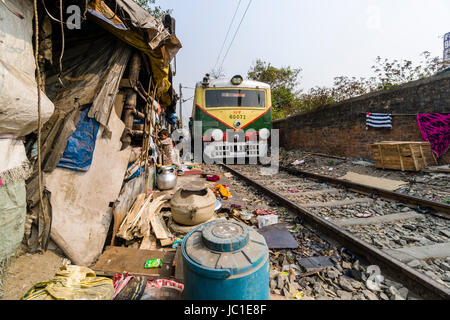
(396,237)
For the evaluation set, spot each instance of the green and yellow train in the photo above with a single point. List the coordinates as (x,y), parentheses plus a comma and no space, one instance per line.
(235,117)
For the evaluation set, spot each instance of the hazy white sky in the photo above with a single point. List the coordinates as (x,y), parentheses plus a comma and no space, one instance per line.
(326,38)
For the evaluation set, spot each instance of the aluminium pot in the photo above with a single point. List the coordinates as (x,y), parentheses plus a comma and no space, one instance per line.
(191,207)
(166,178)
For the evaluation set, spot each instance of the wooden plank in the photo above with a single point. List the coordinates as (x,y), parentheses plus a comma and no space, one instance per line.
(339,203)
(120,260)
(178,261)
(134,210)
(378,220)
(167,269)
(313,193)
(159,228)
(148,243)
(401,158)
(381,156)
(407,254)
(166,242)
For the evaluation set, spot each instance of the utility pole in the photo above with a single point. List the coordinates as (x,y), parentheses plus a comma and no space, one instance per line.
(181,105)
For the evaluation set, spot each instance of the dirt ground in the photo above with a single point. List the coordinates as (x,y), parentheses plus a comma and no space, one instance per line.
(27,270)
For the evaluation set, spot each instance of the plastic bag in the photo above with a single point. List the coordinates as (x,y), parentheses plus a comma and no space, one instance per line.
(72,283)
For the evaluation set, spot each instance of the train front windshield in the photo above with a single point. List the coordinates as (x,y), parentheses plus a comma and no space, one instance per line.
(235,98)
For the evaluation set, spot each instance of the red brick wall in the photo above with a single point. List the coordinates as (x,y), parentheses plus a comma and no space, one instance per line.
(340,129)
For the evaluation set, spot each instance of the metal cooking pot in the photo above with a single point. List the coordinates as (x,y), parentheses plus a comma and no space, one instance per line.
(166,178)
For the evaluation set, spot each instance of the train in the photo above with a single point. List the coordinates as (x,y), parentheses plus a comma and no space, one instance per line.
(233,117)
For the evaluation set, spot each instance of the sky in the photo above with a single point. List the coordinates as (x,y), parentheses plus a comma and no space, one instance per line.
(325,38)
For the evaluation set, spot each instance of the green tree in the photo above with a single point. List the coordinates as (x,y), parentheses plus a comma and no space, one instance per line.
(283,82)
(154,10)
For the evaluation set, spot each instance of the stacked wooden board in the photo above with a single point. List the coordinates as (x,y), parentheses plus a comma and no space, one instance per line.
(403,155)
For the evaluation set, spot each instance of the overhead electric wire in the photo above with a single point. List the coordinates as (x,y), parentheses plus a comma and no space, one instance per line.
(228,33)
(237,30)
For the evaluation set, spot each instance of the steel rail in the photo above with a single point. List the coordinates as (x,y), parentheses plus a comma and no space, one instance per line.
(412,279)
(438,206)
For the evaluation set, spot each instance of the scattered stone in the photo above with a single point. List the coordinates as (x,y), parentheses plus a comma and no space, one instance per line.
(286,293)
(346,265)
(414,263)
(403,292)
(445,233)
(308,291)
(273,274)
(355,284)
(324,298)
(370,295)
(444,266)
(293,287)
(345,284)
(273,284)
(281,281)
(395,295)
(344,295)
(332,273)
(383,296)
(446,277)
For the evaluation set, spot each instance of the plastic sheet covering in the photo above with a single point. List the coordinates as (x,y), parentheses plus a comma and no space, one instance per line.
(161,48)
(13,209)
(18,88)
(148,27)
(72,283)
(89,78)
(81,145)
(14,164)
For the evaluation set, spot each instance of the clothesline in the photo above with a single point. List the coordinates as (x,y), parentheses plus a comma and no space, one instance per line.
(397,114)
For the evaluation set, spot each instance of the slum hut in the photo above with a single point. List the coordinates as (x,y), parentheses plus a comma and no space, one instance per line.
(83,145)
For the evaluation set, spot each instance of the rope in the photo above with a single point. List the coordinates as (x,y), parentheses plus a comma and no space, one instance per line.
(48,13)
(38,72)
(13,11)
(63,41)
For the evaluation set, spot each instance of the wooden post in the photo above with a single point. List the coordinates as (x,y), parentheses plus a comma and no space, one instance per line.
(181,105)
(401,158)
(130,102)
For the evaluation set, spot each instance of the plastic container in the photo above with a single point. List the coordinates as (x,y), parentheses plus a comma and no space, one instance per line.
(225,260)
(264,221)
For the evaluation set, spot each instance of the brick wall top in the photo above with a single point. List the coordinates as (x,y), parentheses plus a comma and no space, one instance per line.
(430,95)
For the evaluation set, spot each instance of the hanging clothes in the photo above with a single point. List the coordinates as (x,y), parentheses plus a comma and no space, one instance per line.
(435,128)
(378,120)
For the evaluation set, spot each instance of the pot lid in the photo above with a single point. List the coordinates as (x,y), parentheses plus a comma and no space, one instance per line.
(223,244)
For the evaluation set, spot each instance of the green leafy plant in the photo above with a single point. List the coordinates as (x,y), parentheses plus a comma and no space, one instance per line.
(153,9)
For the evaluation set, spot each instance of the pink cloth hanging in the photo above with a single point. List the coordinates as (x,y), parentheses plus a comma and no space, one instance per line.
(435,128)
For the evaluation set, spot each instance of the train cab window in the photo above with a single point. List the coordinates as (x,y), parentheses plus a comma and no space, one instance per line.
(235,98)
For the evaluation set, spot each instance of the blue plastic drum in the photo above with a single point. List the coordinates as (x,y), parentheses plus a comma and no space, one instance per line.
(225,260)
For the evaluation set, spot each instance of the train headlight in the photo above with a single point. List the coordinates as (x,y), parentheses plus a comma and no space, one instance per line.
(217,135)
(264,133)
(237,80)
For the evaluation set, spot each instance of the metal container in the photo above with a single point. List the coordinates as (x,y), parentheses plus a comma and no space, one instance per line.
(193,205)
(225,260)
(166,178)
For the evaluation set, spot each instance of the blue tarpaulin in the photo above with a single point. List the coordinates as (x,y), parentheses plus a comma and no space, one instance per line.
(81,144)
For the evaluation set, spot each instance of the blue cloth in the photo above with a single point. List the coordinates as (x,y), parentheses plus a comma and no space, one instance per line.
(81,144)
(378,120)
(135,175)
(173,119)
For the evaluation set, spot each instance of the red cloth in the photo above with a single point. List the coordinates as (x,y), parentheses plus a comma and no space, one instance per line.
(214,178)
